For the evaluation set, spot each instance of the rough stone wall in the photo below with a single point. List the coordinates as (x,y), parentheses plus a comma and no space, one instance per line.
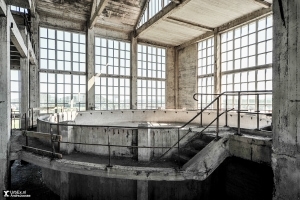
(187,77)
(286,91)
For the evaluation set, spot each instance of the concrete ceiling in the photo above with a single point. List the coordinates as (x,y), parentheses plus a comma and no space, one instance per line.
(175,25)
(183,22)
(120,15)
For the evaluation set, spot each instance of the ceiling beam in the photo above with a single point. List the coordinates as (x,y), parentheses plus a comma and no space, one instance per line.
(263,3)
(97,9)
(16,36)
(2,8)
(244,19)
(194,40)
(188,24)
(229,25)
(28,4)
(149,42)
(141,14)
(164,13)
(20,3)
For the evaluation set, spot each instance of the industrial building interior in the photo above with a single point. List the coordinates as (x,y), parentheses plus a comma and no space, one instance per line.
(150,99)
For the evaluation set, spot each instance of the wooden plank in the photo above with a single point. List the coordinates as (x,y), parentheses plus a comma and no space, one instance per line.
(99,9)
(42,152)
(41,135)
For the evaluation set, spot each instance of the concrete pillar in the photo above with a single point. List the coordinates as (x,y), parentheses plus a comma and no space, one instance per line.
(33,89)
(5,100)
(90,69)
(133,89)
(286,99)
(24,66)
(142,190)
(144,139)
(187,77)
(217,62)
(170,79)
(217,65)
(64,185)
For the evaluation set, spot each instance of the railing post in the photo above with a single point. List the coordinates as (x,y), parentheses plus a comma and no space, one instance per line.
(32,118)
(14,119)
(257,110)
(26,129)
(58,144)
(109,159)
(239,113)
(217,128)
(201,112)
(52,143)
(178,136)
(226,114)
(11,121)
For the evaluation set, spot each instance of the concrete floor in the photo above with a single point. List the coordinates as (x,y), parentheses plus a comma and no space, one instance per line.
(26,176)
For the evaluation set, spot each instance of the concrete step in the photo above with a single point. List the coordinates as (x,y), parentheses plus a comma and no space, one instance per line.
(188,152)
(206,138)
(198,144)
(179,158)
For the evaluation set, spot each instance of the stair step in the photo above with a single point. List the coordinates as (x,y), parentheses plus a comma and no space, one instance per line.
(189,152)
(198,144)
(206,138)
(182,159)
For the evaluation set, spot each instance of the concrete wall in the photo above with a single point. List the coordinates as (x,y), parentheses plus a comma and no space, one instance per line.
(286,84)
(187,77)
(131,118)
(234,179)
(85,130)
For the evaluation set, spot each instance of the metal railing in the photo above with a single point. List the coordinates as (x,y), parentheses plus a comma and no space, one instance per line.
(239,94)
(53,137)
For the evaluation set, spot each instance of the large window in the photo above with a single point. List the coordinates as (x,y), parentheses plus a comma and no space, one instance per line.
(246,63)
(112,68)
(61,50)
(151,77)
(62,69)
(205,71)
(63,90)
(15,83)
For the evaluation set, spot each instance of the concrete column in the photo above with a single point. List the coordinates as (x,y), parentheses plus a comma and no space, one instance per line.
(90,69)
(217,65)
(24,66)
(5,100)
(133,91)
(286,99)
(64,185)
(33,88)
(217,62)
(187,76)
(142,190)
(144,139)
(170,79)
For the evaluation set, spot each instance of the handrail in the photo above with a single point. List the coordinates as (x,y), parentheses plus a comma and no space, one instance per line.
(202,110)
(196,134)
(236,93)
